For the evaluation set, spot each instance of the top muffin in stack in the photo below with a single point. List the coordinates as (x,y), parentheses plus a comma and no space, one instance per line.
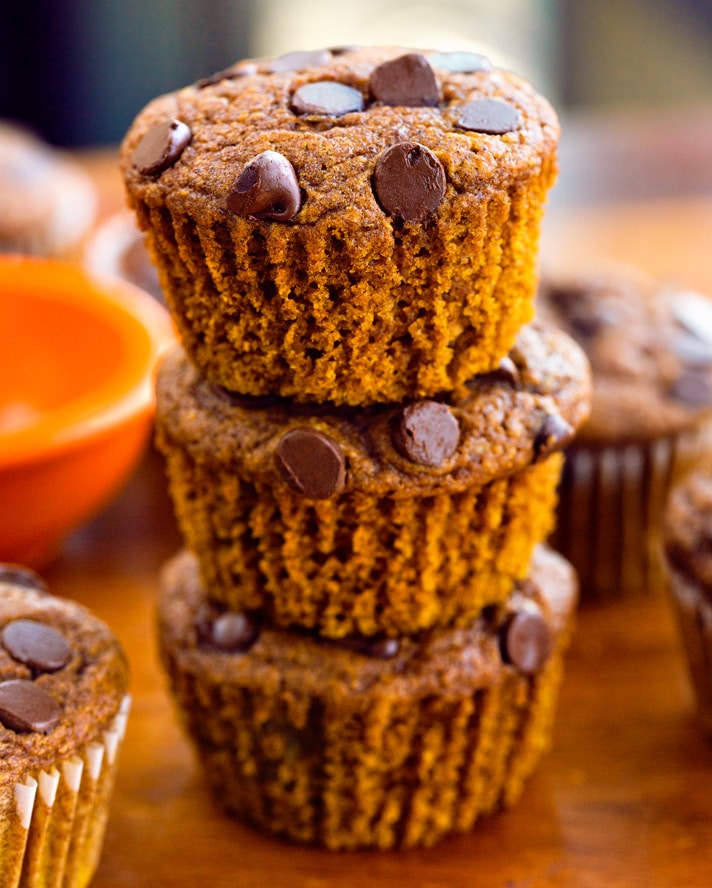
(367,208)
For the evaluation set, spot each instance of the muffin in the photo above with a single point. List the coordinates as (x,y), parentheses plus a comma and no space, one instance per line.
(687,539)
(63,709)
(386,744)
(650,348)
(387,519)
(370,208)
(47,202)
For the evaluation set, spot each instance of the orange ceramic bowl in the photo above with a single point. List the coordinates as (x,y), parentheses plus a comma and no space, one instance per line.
(77,361)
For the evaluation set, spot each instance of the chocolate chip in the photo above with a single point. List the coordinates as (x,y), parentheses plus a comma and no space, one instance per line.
(428,433)
(525,640)
(18,575)
(267,188)
(161,147)
(37,645)
(490,116)
(507,373)
(408,80)
(409,181)
(692,388)
(312,463)
(460,62)
(24,706)
(554,434)
(241,69)
(298,61)
(691,350)
(230,632)
(378,648)
(326,97)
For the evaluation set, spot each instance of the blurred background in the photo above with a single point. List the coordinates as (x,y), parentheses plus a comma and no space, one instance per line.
(77,71)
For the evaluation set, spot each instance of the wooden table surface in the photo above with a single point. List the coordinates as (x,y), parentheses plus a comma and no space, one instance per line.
(624,797)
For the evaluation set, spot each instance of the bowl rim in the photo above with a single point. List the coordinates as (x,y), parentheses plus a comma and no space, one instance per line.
(89,417)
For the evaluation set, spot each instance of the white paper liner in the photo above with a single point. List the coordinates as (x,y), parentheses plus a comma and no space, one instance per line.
(611,503)
(52,829)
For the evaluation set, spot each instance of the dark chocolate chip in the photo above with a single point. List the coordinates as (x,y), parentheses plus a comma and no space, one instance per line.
(428,433)
(555,434)
(378,648)
(525,640)
(161,147)
(311,462)
(692,388)
(267,188)
(37,645)
(407,80)
(409,182)
(507,373)
(24,706)
(230,632)
(18,575)
(298,61)
(460,62)
(491,116)
(234,72)
(326,97)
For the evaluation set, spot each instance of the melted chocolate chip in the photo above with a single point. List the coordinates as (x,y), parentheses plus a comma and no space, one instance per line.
(378,648)
(490,116)
(267,188)
(460,62)
(24,706)
(298,61)
(693,388)
(311,463)
(37,645)
(161,147)
(409,182)
(407,80)
(555,434)
(428,433)
(230,632)
(17,575)
(525,641)
(326,97)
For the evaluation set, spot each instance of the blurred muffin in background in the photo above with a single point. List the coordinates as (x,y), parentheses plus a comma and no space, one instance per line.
(116,247)
(47,202)
(688,544)
(650,348)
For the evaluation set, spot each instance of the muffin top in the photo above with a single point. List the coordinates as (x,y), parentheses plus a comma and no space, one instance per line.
(376,134)
(63,677)
(650,348)
(224,646)
(688,527)
(497,424)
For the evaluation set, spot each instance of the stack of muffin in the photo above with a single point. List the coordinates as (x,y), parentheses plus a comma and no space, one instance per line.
(362,431)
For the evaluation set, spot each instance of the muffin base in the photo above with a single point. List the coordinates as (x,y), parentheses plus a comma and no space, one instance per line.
(319,744)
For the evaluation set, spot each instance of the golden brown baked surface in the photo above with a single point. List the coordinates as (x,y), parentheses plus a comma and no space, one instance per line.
(399,238)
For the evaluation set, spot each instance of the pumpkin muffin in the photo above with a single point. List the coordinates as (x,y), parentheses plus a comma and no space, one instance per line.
(387,744)
(650,348)
(384,519)
(63,709)
(375,208)
(687,535)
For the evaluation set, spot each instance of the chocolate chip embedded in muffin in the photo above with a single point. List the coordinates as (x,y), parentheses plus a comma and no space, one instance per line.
(267,188)
(312,463)
(409,182)
(490,116)
(25,707)
(161,147)
(326,97)
(427,433)
(555,434)
(525,640)
(407,80)
(35,644)
(460,62)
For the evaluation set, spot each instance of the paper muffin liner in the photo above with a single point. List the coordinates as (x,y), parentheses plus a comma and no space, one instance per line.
(52,822)
(361,562)
(693,610)
(356,753)
(611,505)
(291,310)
